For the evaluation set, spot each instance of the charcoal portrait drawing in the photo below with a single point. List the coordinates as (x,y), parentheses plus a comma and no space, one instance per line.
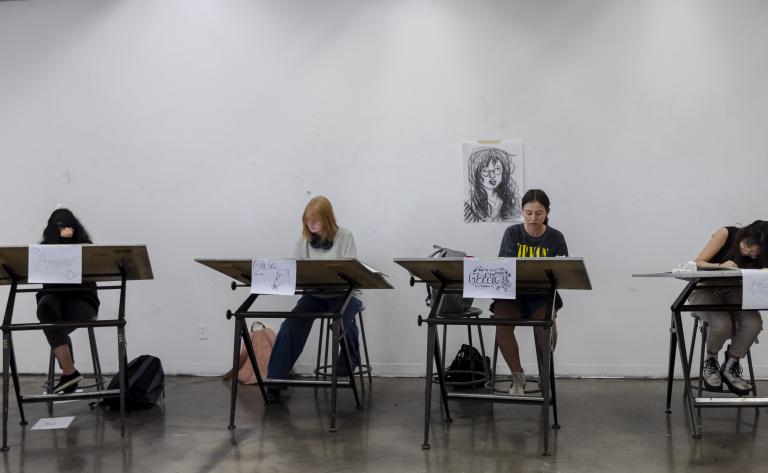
(493,181)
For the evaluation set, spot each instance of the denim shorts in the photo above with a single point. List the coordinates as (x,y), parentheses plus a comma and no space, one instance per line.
(527,305)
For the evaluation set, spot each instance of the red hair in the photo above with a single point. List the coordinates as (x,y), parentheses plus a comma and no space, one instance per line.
(320,208)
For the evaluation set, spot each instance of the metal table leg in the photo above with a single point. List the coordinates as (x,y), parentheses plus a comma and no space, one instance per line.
(688,396)
(671,368)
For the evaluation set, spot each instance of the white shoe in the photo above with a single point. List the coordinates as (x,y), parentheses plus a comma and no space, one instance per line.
(711,374)
(731,374)
(518,384)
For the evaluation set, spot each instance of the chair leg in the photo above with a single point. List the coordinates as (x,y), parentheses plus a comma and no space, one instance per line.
(539,365)
(362,376)
(359,367)
(323,347)
(328,333)
(704,336)
(471,362)
(319,348)
(445,342)
(751,373)
(51,369)
(482,352)
(752,377)
(95,359)
(365,347)
(493,363)
(701,353)
(693,342)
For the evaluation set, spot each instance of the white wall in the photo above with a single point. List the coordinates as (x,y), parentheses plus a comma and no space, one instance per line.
(202,127)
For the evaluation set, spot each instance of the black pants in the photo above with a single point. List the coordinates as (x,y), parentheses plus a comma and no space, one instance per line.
(52,308)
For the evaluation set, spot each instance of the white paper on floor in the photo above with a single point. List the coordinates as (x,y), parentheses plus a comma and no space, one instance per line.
(50,423)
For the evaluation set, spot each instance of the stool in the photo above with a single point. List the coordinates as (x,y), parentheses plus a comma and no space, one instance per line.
(324,370)
(704,334)
(98,378)
(492,387)
(482,376)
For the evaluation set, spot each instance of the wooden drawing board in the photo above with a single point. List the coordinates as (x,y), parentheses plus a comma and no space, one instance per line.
(99,263)
(309,272)
(571,273)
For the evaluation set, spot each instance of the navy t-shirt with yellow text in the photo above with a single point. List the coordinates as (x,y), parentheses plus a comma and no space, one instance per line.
(517,243)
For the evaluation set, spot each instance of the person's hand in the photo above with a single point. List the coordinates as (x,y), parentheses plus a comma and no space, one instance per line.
(729,265)
(67,232)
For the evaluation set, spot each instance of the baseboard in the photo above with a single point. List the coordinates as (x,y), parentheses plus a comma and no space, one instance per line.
(416,370)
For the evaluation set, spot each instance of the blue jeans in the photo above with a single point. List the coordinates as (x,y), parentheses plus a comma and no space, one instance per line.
(293,335)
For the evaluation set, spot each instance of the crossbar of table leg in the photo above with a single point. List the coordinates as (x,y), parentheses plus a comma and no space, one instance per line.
(701,402)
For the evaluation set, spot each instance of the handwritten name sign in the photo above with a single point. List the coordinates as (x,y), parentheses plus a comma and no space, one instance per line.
(55,264)
(273,276)
(754,289)
(494,278)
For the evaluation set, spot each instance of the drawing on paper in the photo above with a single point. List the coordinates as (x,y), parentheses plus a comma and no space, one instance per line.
(496,279)
(758,289)
(493,181)
(282,277)
(273,276)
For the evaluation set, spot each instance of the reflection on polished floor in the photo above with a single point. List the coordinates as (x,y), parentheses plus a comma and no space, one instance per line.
(607,425)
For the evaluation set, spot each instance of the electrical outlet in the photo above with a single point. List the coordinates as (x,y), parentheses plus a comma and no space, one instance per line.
(202,331)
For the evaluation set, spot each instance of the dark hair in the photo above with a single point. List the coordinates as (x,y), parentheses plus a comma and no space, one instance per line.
(537,195)
(62,218)
(756,233)
(506,190)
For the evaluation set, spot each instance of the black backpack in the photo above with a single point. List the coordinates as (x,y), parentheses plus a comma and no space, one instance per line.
(451,303)
(146,383)
(465,370)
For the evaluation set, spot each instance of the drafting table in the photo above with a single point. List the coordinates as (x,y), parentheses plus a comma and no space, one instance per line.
(313,276)
(100,264)
(542,276)
(700,279)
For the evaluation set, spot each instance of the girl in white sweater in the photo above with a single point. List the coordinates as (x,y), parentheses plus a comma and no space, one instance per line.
(321,238)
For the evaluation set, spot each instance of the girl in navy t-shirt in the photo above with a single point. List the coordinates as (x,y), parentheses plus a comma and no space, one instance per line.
(532,238)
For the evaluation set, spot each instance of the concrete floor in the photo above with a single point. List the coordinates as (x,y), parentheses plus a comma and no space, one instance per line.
(607,425)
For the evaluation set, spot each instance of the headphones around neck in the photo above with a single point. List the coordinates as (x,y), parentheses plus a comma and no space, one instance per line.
(320,243)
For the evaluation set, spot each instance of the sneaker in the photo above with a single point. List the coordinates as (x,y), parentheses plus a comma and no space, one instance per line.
(711,374)
(68,383)
(276,394)
(518,384)
(731,374)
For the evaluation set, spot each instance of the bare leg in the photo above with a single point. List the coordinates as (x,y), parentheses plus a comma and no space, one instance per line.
(538,332)
(64,357)
(505,337)
(554,334)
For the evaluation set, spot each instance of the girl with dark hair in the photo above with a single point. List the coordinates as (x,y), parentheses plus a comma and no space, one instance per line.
(322,238)
(69,303)
(730,248)
(492,191)
(532,238)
